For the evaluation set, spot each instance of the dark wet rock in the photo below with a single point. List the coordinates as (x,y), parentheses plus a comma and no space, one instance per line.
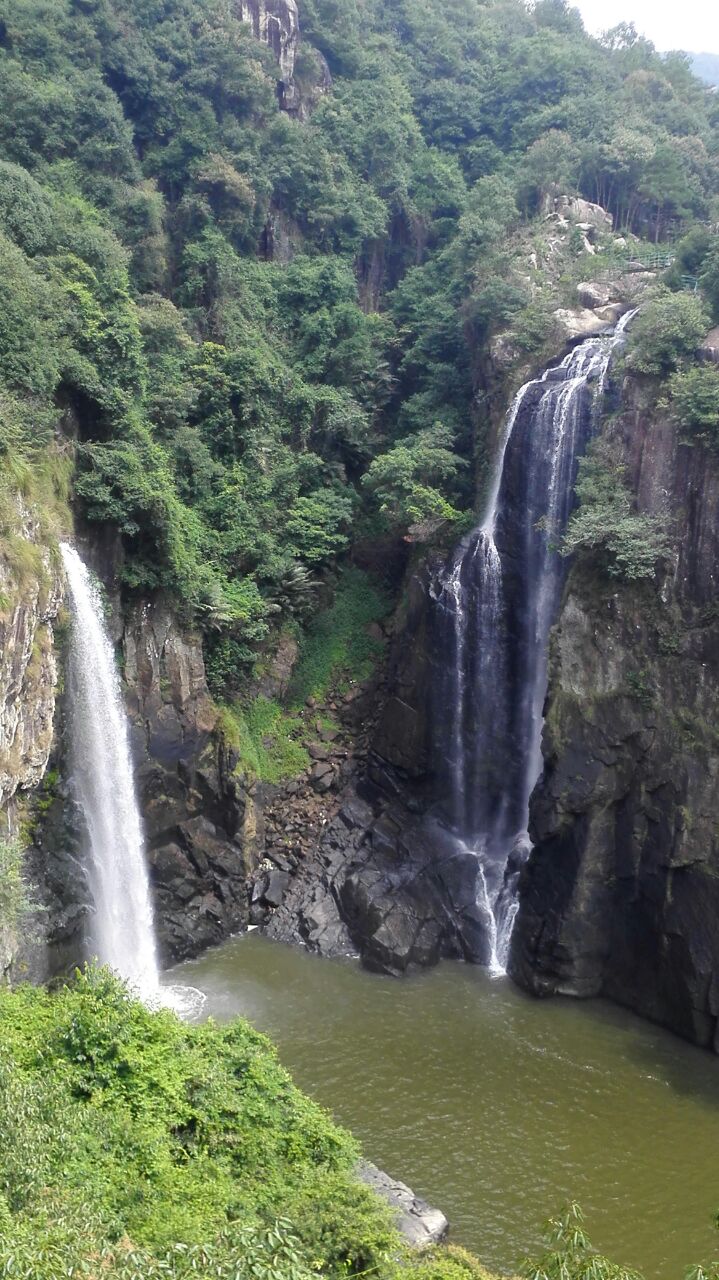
(621,893)
(417,1221)
(202,824)
(396,890)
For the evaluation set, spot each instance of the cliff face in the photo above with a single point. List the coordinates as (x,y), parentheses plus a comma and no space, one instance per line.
(621,893)
(31,593)
(30,598)
(276,23)
(200,820)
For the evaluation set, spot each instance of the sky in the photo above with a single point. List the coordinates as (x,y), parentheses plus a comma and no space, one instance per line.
(670,24)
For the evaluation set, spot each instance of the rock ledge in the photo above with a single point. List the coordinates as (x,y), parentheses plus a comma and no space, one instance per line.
(418,1222)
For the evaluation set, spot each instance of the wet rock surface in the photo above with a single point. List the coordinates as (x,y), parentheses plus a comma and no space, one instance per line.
(202,823)
(417,1221)
(621,893)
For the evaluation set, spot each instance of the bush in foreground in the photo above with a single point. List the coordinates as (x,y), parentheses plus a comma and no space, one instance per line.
(132,1144)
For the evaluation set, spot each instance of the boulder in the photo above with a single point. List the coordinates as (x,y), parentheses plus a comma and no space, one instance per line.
(417,1221)
(584,212)
(573,324)
(593,295)
(709,350)
(611,313)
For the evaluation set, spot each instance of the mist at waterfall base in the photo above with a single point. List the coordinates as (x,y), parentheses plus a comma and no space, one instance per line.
(122,930)
(495,603)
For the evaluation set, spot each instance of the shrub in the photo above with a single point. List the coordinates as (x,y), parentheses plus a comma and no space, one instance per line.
(336,648)
(666,331)
(266,740)
(569,1254)
(15,902)
(693,399)
(133,1144)
(630,543)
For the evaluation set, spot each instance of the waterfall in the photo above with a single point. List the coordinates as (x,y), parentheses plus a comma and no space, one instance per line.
(495,603)
(123,934)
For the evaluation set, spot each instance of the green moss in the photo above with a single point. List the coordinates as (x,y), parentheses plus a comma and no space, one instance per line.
(15,902)
(336,649)
(267,739)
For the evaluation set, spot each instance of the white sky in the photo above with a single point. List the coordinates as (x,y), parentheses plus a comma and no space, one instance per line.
(670,24)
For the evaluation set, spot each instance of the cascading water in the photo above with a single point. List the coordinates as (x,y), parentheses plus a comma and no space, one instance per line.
(496,602)
(123,934)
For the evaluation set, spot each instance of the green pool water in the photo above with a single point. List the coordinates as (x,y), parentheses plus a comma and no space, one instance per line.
(496,1107)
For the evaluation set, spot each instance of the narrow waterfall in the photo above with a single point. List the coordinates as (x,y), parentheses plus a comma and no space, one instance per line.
(123,934)
(495,602)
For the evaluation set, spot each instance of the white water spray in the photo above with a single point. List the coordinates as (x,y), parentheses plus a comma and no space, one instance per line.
(123,934)
(497,600)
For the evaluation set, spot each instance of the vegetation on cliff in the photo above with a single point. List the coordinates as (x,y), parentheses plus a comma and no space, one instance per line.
(261,333)
(134,1145)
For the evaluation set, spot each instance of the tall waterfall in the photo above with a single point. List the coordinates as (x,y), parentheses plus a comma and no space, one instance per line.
(496,602)
(123,935)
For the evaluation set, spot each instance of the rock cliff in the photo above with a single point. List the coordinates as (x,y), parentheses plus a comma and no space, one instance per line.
(621,893)
(276,23)
(31,592)
(30,597)
(201,821)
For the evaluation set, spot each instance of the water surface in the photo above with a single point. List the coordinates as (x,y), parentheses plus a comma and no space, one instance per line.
(496,1107)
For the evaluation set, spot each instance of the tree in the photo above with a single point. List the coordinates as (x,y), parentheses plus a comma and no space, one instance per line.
(693,400)
(629,543)
(406,480)
(666,331)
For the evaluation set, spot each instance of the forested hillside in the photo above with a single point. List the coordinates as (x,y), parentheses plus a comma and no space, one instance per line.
(253,333)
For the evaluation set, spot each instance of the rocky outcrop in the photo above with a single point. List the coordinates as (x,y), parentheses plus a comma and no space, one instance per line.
(621,893)
(201,820)
(276,23)
(709,350)
(304,74)
(30,597)
(418,1222)
(31,593)
(574,323)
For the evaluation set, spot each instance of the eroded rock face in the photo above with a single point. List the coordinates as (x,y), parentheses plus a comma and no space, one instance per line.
(30,599)
(31,592)
(201,821)
(417,1221)
(621,893)
(276,23)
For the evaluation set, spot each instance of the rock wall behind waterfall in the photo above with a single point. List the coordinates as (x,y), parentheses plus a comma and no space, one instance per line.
(201,820)
(621,895)
(30,599)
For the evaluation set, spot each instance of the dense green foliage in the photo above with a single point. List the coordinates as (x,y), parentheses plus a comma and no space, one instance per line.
(14,897)
(137,1145)
(226,404)
(628,542)
(667,331)
(335,651)
(693,397)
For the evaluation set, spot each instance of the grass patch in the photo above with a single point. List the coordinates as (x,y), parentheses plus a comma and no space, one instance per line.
(15,901)
(267,739)
(336,648)
(335,652)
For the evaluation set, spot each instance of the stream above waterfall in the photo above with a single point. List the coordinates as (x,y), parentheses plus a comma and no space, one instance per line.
(495,1107)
